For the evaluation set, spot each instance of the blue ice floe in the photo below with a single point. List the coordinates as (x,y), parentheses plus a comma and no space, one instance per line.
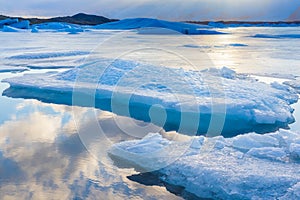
(217,101)
(136,23)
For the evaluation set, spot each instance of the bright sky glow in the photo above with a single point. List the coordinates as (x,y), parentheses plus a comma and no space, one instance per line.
(267,10)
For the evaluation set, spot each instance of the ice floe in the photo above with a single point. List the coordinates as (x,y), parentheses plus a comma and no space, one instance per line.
(10,29)
(25,24)
(44,55)
(8,22)
(249,166)
(13,25)
(187,101)
(136,23)
(294,84)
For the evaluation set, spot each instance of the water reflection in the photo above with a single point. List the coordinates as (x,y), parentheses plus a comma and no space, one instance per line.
(41,154)
(42,157)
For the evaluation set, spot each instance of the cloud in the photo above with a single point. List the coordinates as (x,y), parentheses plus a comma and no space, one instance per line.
(41,158)
(168,9)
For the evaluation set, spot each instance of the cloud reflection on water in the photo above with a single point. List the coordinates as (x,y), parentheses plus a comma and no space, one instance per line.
(42,157)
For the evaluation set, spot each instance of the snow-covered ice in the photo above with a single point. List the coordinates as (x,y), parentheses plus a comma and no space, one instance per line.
(243,167)
(178,101)
(248,166)
(10,29)
(294,84)
(136,23)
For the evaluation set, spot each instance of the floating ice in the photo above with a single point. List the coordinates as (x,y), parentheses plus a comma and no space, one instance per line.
(34,30)
(58,27)
(267,169)
(137,23)
(48,55)
(294,84)
(8,22)
(172,98)
(25,24)
(73,30)
(10,29)
(14,23)
(290,36)
(293,192)
(52,25)
(237,45)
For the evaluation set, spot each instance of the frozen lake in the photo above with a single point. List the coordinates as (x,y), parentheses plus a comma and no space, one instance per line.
(43,145)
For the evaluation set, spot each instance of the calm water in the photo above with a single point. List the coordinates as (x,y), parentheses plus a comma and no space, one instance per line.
(41,153)
(42,157)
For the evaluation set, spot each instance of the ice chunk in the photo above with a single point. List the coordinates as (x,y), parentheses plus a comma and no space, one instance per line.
(58,27)
(293,192)
(137,23)
(48,55)
(294,84)
(10,29)
(272,153)
(241,97)
(238,45)
(150,143)
(73,30)
(225,72)
(264,172)
(287,137)
(52,25)
(251,140)
(34,30)
(8,22)
(197,142)
(295,150)
(25,24)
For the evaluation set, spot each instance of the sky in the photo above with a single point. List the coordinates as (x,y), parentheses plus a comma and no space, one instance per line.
(176,10)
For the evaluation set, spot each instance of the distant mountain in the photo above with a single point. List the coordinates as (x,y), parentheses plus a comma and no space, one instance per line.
(80,18)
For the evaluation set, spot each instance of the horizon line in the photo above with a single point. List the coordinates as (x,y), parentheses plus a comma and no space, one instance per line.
(204,21)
